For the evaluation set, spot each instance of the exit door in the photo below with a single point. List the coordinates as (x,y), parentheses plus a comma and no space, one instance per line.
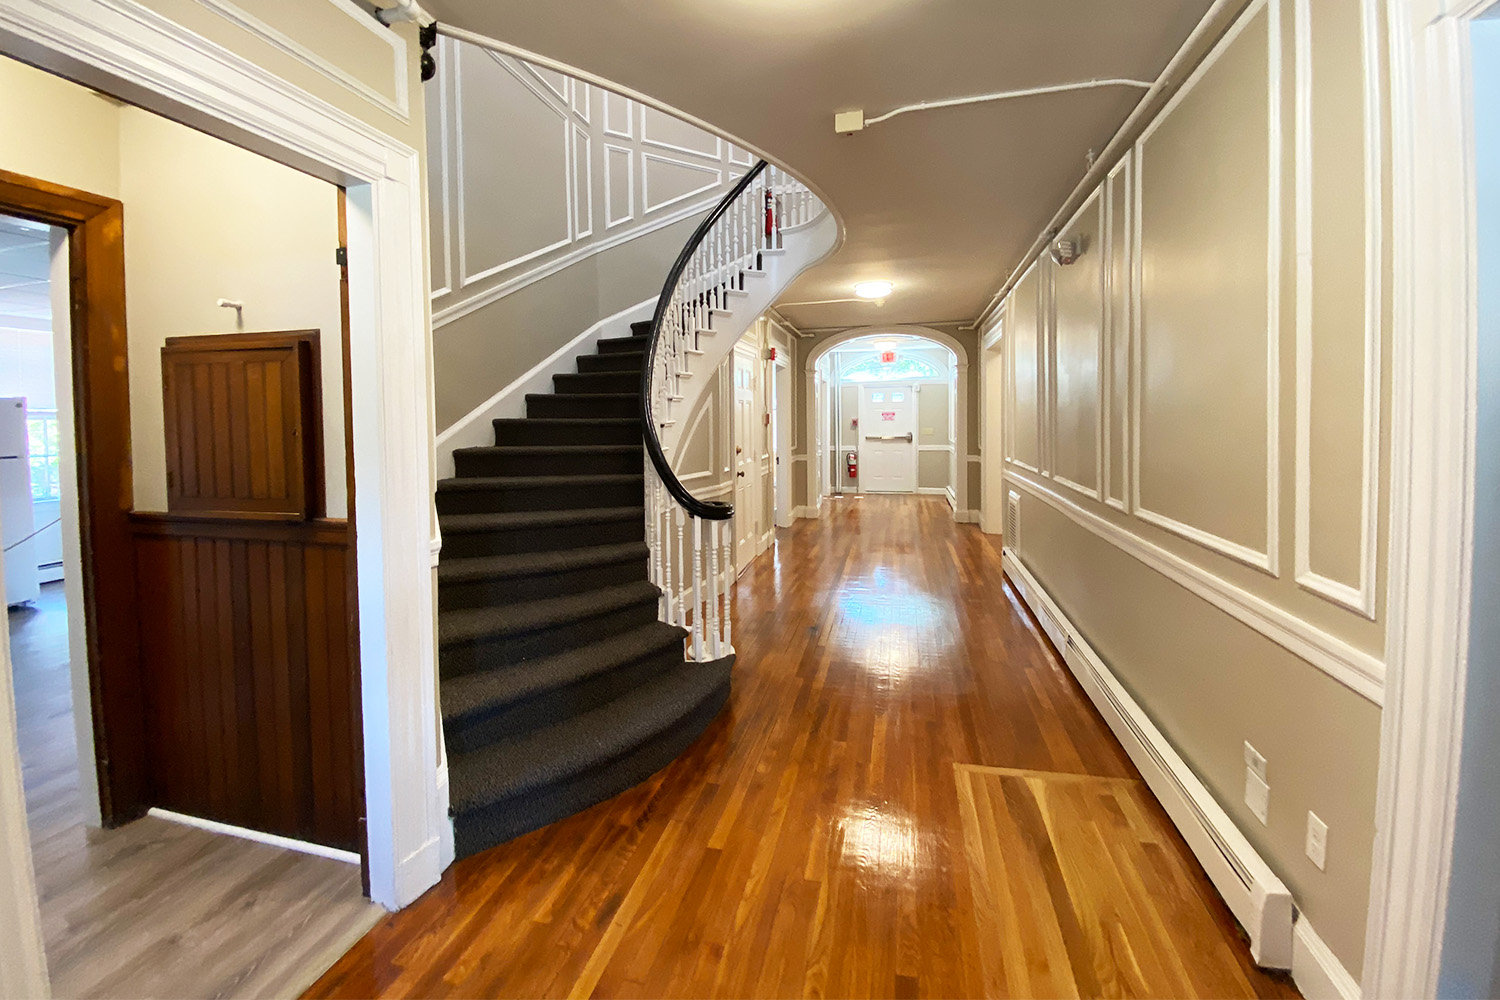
(887,446)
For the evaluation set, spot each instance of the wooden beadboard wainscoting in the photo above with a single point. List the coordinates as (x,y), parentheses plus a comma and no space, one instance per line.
(248,664)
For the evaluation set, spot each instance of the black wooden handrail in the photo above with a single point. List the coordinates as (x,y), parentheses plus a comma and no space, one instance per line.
(710,510)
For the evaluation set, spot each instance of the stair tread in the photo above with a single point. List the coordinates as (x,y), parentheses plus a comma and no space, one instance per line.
(583,395)
(486,691)
(568,421)
(467,483)
(512,520)
(465,570)
(547,449)
(470,624)
(556,753)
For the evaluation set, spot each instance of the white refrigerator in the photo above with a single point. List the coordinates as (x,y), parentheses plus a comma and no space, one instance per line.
(16,522)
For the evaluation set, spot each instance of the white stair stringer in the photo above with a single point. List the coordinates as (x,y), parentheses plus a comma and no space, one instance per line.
(801,248)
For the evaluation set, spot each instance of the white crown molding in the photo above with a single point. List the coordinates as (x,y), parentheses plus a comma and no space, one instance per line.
(1359,596)
(1356,669)
(398,106)
(1268,560)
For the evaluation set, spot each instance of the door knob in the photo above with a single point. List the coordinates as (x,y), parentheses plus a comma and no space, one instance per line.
(740,474)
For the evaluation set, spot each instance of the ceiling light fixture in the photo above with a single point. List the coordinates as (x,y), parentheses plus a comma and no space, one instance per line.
(873,289)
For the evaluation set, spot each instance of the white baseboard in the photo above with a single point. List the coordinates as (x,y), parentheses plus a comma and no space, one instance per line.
(1316,970)
(966,516)
(475,430)
(1255,895)
(804,510)
(270,839)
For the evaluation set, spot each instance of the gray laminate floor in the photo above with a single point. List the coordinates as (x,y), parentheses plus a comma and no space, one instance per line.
(155,908)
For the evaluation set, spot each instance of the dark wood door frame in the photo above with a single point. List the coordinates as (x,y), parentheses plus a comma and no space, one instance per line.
(101,412)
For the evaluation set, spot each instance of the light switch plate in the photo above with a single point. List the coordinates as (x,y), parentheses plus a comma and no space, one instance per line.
(1317,840)
(1257,795)
(1255,762)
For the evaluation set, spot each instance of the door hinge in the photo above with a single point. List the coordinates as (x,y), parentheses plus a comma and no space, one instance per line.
(341,256)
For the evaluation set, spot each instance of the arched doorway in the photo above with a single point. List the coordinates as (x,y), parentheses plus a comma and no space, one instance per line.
(841,376)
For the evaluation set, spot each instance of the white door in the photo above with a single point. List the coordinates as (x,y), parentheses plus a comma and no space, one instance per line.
(887,446)
(746,468)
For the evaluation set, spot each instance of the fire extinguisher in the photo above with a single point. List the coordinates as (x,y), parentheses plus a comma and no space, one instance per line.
(851,464)
(770,215)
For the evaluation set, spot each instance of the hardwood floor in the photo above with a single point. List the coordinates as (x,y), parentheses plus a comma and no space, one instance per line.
(156,908)
(831,835)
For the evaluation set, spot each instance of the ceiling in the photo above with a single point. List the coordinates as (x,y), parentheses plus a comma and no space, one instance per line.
(942,202)
(25,301)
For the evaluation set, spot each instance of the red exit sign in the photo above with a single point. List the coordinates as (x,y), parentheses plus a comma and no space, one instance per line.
(887,357)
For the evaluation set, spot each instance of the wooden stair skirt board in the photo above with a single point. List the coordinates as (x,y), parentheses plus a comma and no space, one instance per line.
(1255,895)
(559,685)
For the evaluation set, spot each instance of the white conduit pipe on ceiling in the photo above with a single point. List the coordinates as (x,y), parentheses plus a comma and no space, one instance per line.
(1215,22)
(1006,95)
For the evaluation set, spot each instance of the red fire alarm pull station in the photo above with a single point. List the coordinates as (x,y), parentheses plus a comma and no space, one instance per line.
(772,355)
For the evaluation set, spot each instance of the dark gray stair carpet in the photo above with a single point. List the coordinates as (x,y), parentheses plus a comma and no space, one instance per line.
(559,687)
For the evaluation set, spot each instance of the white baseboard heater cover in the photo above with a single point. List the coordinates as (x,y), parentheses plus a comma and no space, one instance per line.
(1256,897)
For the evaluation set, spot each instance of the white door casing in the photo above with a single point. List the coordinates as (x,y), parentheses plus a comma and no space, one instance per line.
(887,448)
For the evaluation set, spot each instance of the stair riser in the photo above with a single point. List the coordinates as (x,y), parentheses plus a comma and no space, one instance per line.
(506,590)
(621,362)
(558,705)
(566,536)
(565,464)
(492,654)
(614,345)
(595,382)
(640,328)
(531,432)
(513,498)
(582,407)
(476,829)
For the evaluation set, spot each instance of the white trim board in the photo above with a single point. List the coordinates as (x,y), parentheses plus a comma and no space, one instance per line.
(259,837)
(1316,970)
(1255,895)
(474,429)
(1361,672)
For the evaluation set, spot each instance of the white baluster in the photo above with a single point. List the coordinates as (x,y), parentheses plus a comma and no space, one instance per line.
(681,578)
(666,557)
(697,588)
(713,590)
(728,589)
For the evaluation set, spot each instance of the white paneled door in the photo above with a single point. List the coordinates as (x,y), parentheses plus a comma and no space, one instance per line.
(746,467)
(887,448)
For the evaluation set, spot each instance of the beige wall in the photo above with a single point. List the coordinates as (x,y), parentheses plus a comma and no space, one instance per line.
(203,220)
(1215,354)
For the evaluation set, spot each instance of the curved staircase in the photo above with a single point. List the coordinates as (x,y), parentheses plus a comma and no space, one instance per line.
(559,685)
(583,640)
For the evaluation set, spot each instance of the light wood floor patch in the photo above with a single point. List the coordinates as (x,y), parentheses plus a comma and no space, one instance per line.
(1081,889)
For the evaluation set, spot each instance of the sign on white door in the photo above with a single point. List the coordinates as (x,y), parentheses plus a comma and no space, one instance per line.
(887,442)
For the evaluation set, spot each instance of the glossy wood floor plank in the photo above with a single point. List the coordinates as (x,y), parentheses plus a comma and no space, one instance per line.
(156,908)
(818,840)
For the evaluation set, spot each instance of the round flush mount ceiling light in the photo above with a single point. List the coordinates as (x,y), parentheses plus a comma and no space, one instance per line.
(872,289)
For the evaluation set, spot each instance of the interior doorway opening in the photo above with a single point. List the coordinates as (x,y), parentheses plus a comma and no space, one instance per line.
(119,697)
(891,417)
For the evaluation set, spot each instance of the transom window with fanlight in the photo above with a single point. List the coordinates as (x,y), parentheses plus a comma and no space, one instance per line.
(903,368)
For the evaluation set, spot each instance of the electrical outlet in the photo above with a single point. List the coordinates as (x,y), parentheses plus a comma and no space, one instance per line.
(1257,795)
(1317,840)
(1255,762)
